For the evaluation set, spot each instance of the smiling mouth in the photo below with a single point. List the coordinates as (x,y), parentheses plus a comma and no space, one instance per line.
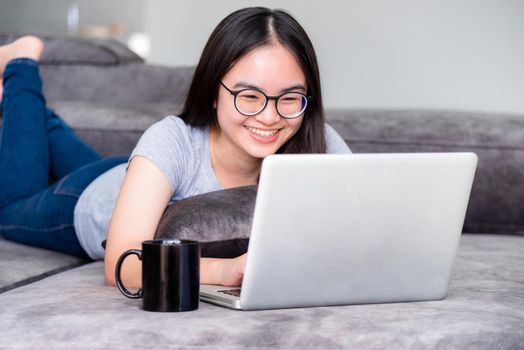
(262,133)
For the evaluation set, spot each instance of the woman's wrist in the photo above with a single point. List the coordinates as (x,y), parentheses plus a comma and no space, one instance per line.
(209,270)
(225,272)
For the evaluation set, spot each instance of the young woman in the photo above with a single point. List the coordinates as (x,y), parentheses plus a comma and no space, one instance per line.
(255,92)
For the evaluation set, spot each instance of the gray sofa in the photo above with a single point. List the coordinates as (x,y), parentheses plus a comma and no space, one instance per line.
(50,300)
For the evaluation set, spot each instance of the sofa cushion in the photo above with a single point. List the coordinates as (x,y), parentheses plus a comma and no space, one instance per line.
(483,310)
(220,220)
(80,51)
(21,264)
(131,83)
(496,204)
(111,129)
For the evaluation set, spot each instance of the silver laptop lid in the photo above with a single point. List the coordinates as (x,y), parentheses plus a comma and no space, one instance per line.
(363,228)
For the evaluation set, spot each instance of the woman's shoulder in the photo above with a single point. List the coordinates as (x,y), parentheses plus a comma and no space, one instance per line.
(170,123)
(173,146)
(172,135)
(334,142)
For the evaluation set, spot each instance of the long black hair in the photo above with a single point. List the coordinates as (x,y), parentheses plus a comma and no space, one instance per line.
(238,34)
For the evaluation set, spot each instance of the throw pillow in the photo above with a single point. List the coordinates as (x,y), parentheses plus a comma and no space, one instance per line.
(220,220)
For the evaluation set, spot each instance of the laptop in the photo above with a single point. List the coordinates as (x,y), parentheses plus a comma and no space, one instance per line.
(352,229)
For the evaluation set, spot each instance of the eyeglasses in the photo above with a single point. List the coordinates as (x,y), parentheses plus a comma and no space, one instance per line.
(250,102)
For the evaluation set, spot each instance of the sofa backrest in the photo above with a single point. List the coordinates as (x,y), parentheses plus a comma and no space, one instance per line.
(105,71)
(497,198)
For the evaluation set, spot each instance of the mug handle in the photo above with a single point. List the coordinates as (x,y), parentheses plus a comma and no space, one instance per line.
(119,283)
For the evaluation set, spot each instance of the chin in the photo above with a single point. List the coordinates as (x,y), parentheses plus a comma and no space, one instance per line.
(261,153)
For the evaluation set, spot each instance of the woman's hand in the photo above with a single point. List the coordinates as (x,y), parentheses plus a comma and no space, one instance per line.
(231,271)
(225,272)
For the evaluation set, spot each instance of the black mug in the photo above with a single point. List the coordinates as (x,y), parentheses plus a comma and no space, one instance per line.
(170,275)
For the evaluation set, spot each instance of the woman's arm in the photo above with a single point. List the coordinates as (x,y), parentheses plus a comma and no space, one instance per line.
(143,198)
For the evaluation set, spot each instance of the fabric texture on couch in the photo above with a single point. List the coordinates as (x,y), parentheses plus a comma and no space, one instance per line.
(21,264)
(129,83)
(94,70)
(483,310)
(112,129)
(496,204)
(76,50)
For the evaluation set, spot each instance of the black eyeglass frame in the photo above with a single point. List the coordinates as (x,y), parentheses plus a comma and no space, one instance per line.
(268,98)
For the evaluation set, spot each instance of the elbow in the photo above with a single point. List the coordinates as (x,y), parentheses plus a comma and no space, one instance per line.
(109,275)
(110,281)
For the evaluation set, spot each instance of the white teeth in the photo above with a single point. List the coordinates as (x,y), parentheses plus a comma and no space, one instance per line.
(263,133)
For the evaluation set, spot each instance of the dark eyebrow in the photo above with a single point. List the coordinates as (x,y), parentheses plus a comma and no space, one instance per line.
(244,85)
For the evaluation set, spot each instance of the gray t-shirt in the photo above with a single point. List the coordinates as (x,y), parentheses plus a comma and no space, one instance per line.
(181,152)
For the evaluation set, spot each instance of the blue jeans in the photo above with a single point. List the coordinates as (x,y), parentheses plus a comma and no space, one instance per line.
(44,166)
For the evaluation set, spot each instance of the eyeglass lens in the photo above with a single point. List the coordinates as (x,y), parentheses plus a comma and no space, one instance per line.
(251,102)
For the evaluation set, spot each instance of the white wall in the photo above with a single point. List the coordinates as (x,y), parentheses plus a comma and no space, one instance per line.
(459,54)
(50,16)
(27,16)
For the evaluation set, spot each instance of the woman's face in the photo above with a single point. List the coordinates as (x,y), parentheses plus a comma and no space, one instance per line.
(274,71)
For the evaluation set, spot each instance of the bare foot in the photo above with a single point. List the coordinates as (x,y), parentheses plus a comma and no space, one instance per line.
(25,47)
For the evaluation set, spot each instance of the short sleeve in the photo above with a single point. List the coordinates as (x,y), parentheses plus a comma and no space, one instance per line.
(167,144)
(335,143)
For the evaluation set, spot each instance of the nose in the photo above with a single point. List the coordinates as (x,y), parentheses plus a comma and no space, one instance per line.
(270,114)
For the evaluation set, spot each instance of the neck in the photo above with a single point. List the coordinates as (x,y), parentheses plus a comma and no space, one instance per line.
(232,167)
